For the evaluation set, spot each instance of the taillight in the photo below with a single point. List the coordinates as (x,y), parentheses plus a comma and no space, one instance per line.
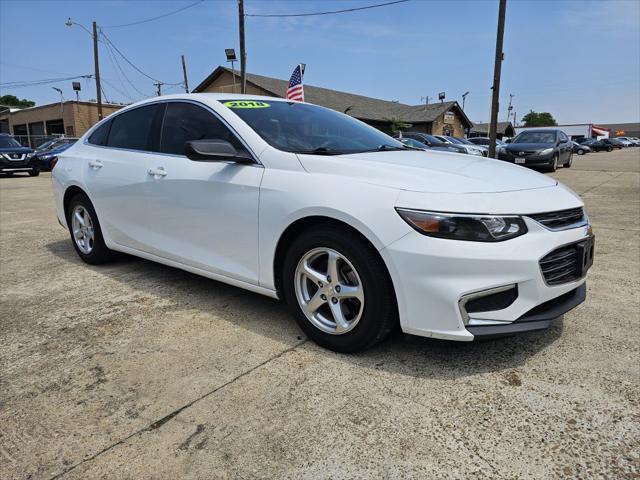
(53,162)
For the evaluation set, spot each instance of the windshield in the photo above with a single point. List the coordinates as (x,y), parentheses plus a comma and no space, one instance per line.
(8,142)
(536,137)
(304,128)
(463,140)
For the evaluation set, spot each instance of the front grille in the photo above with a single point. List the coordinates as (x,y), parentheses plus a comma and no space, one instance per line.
(561,265)
(561,219)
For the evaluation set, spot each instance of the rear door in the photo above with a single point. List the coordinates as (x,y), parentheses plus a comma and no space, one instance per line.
(116,173)
(203,214)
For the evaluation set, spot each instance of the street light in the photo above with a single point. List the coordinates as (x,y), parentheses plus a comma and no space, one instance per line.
(231,57)
(464,97)
(69,23)
(61,100)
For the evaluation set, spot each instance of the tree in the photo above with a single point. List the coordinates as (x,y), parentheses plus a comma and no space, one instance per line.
(398,125)
(541,119)
(13,101)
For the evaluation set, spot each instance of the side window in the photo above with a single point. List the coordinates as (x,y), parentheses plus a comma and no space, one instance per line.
(184,122)
(99,137)
(563,137)
(135,129)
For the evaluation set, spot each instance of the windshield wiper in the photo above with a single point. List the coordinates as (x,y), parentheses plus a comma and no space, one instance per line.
(385,148)
(320,151)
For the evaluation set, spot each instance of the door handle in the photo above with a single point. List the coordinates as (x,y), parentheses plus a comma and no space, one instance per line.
(95,164)
(157,172)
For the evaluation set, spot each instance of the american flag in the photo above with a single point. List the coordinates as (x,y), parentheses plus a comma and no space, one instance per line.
(295,91)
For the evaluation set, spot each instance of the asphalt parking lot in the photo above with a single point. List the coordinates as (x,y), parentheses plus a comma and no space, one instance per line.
(137,370)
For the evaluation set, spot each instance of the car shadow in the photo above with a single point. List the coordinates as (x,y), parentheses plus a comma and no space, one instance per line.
(400,354)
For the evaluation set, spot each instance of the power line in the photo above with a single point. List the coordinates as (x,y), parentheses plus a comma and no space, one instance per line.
(154,18)
(33,83)
(119,67)
(132,64)
(324,13)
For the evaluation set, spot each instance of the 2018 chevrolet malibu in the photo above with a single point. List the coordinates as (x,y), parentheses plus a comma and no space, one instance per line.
(355,231)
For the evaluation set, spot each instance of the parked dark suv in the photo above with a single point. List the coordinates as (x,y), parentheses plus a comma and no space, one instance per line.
(546,147)
(15,158)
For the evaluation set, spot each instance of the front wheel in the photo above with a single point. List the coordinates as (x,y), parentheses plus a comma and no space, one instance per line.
(34,173)
(580,152)
(85,231)
(554,163)
(338,289)
(609,149)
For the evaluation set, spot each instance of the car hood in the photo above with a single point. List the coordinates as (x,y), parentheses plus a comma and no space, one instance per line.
(429,171)
(520,147)
(15,150)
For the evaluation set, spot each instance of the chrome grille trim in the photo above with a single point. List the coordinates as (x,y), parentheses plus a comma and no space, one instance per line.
(561,219)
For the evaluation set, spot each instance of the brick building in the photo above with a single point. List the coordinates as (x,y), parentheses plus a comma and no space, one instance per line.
(445,118)
(70,118)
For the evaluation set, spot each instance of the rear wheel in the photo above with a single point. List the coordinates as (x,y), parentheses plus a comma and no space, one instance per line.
(569,161)
(609,149)
(85,231)
(34,173)
(338,289)
(580,152)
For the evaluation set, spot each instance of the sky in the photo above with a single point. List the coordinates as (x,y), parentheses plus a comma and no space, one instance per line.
(579,60)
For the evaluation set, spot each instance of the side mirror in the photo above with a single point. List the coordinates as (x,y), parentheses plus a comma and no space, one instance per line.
(214,151)
(508,140)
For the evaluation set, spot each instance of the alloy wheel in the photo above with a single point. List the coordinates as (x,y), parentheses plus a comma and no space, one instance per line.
(82,228)
(329,291)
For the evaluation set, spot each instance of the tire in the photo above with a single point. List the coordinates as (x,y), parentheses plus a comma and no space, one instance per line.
(34,173)
(366,321)
(569,162)
(91,249)
(609,149)
(580,152)
(554,164)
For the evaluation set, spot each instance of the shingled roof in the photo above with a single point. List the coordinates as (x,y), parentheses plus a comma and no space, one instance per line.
(358,106)
(503,128)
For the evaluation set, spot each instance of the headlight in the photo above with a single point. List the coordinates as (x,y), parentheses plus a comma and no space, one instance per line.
(455,226)
(546,151)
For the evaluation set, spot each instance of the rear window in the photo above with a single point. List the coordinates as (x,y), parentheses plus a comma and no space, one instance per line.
(99,136)
(134,129)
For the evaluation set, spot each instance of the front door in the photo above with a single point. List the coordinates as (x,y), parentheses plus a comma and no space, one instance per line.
(203,214)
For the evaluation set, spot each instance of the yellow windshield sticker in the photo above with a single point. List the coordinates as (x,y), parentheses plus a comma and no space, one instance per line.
(246,104)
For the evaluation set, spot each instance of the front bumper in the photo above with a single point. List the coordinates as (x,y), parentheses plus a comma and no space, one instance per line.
(538,318)
(432,275)
(532,159)
(25,165)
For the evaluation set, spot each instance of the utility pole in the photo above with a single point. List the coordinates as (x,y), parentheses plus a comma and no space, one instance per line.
(495,98)
(159,87)
(426,101)
(243,52)
(184,72)
(96,65)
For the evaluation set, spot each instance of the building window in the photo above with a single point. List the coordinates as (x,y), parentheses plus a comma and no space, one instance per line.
(55,127)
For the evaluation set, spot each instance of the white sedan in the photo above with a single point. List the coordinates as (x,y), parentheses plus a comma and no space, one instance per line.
(357,233)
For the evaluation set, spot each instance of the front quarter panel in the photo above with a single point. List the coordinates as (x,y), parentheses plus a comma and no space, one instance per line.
(287,196)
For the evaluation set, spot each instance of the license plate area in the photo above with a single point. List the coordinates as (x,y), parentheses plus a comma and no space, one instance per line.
(585,252)
(520,160)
